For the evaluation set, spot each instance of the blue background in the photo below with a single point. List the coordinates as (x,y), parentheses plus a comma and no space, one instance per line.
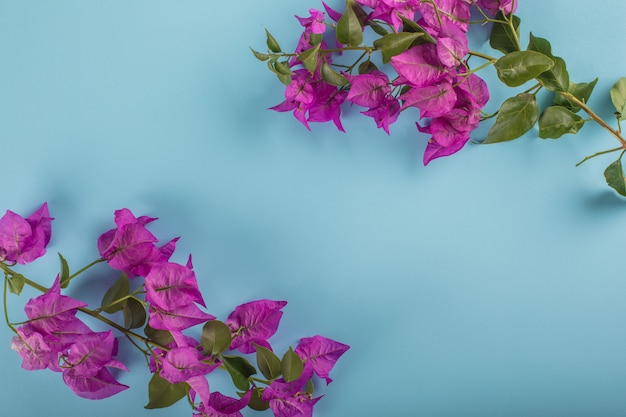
(487,284)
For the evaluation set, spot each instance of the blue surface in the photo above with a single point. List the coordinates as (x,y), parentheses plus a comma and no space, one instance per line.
(488,284)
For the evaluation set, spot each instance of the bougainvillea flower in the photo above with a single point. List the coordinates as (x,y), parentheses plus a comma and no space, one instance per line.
(385,114)
(254,322)
(321,353)
(91,352)
(177,318)
(452,45)
(368,90)
(222,406)
(494,6)
(448,11)
(420,65)
(332,13)
(290,399)
(184,364)
(24,240)
(327,104)
(51,312)
(433,100)
(434,150)
(95,387)
(391,11)
(31,346)
(130,247)
(475,89)
(170,285)
(314,24)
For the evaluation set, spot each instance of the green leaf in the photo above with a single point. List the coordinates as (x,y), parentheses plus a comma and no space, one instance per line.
(272,43)
(310,388)
(409,25)
(291,366)
(256,401)
(614,175)
(618,97)
(394,44)
(349,31)
(162,393)
(282,67)
(556,78)
(555,121)
(315,39)
(538,44)
(380,30)
(282,71)
(65,272)
(162,337)
(366,67)
(516,68)
(112,299)
(16,283)
(215,338)
(269,364)
(309,58)
(240,370)
(260,56)
(504,37)
(516,116)
(332,77)
(582,91)
(134,314)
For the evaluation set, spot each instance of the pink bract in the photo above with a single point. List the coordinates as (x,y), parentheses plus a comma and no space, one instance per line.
(24,240)
(254,322)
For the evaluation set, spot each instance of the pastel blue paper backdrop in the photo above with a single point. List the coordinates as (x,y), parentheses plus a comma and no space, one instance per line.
(487,284)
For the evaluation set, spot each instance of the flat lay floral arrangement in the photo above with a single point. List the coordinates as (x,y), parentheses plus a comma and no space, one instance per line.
(419,58)
(159,301)
(385,56)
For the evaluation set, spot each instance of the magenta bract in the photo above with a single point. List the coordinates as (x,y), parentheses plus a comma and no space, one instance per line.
(24,240)
(321,353)
(254,322)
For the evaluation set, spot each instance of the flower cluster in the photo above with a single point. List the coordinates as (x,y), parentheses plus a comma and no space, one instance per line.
(425,43)
(421,60)
(166,302)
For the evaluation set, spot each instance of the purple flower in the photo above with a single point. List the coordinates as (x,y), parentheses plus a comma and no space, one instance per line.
(327,104)
(433,100)
(222,406)
(321,353)
(177,318)
(91,352)
(52,313)
(290,399)
(24,240)
(385,114)
(368,90)
(494,6)
(170,285)
(32,347)
(420,65)
(314,24)
(456,12)
(254,322)
(184,364)
(130,247)
(94,387)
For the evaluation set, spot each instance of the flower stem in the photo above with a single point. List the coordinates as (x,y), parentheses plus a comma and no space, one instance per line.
(92,313)
(6,310)
(594,116)
(598,154)
(83,269)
